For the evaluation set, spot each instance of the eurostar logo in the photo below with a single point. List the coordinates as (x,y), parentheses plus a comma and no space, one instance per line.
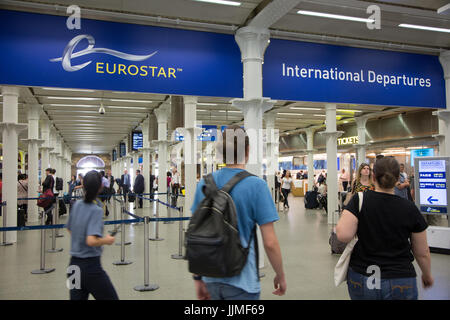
(68,53)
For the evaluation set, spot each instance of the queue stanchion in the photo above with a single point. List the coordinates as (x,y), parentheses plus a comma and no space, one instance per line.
(4,214)
(179,255)
(53,249)
(42,269)
(122,226)
(147,286)
(157,238)
(57,219)
(122,261)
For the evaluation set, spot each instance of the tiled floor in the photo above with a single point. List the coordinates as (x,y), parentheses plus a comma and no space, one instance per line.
(303,235)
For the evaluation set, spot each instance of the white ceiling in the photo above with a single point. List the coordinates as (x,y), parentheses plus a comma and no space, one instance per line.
(85,131)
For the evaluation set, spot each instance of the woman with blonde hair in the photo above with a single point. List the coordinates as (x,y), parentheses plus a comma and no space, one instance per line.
(362,182)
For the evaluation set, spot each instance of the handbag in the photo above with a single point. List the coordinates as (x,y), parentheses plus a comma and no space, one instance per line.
(45,199)
(341,269)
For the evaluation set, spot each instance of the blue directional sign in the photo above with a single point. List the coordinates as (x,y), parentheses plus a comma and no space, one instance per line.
(431,184)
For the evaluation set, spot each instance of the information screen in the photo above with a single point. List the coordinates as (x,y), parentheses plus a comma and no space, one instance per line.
(137,140)
(429,152)
(123,149)
(114,155)
(209,133)
(431,184)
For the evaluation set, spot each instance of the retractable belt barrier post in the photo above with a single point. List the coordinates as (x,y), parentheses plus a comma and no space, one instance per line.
(180,237)
(157,238)
(122,243)
(123,205)
(147,286)
(42,269)
(4,213)
(57,218)
(53,249)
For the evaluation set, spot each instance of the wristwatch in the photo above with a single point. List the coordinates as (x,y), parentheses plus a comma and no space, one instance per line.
(197,278)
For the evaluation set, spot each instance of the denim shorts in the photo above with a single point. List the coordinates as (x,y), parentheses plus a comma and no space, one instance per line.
(221,291)
(390,289)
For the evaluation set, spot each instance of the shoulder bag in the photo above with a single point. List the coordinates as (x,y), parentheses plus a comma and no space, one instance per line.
(340,271)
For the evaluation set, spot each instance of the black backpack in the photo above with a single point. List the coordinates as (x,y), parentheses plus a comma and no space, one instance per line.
(213,246)
(59,184)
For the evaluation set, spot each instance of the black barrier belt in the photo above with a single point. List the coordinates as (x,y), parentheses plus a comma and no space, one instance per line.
(133,215)
(78,197)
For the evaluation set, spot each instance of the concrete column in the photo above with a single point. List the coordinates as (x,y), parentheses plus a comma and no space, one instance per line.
(33,160)
(46,147)
(209,157)
(272,145)
(55,151)
(11,129)
(310,152)
(162,117)
(361,146)
(146,158)
(332,179)
(444,115)
(190,133)
(253,43)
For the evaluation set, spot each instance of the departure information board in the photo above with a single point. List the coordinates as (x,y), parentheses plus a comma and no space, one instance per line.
(431,179)
(137,140)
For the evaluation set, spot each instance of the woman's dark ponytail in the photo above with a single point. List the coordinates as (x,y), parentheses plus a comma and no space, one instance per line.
(92,183)
(386,172)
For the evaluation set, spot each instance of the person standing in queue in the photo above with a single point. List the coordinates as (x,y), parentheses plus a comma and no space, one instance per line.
(254,205)
(139,187)
(48,183)
(85,226)
(125,183)
(391,233)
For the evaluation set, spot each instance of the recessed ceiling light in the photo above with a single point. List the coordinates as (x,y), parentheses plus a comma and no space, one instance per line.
(125,100)
(224,2)
(62,89)
(318,115)
(334,16)
(72,98)
(291,114)
(302,108)
(347,110)
(206,104)
(413,26)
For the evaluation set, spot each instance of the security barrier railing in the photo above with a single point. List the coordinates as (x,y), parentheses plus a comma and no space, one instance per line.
(136,219)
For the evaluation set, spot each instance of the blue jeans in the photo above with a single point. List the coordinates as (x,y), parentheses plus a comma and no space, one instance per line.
(221,291)
(390,289)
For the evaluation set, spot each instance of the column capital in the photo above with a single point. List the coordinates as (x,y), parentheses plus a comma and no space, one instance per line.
(253,42)
(444,58)
(39,142)
(444,115)
(336,134)
(14,126)
(162,113)
(361,121)
(10,91)
(245,104)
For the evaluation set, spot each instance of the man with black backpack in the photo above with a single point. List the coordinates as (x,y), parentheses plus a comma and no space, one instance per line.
(221,242)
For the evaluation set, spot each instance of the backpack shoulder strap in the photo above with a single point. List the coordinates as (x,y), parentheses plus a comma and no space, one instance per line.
(210,186)
(235,180)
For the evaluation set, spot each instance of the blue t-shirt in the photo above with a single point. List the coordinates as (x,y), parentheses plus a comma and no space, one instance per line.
(254,204)
(85,219)
(403,192)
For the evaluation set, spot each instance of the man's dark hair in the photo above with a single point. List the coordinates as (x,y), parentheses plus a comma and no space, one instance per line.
(239,145)
(386,172)
(53,171)
(48,170)
(102,173)
(138,171)
(92,182)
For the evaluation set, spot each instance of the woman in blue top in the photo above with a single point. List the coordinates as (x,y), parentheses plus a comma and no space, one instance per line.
(86,228)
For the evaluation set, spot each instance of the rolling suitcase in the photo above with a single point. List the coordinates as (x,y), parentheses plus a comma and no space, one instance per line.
(21,218)
(311,200)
